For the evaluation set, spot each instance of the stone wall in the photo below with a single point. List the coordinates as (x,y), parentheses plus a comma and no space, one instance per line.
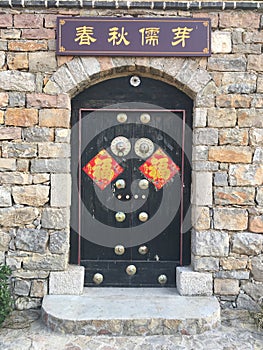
(227,193)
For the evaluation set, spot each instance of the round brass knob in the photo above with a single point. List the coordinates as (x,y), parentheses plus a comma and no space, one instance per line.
(162,279)
(143,250)
(131,270)
(145,118)
(120,216)
(119,249)
(98,278)
(143,216)
(120,184)
(143,184)
(122,117)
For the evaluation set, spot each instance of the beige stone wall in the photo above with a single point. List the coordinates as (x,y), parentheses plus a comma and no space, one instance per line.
(227,192)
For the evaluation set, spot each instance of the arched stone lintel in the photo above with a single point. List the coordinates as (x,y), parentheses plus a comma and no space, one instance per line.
(81,72)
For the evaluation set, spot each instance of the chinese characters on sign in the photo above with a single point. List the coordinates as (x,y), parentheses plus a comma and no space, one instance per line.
(138,37)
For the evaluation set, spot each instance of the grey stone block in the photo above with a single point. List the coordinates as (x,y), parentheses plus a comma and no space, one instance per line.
(210,243)
(60,190)
(69,282)
(202,188)
(190,282)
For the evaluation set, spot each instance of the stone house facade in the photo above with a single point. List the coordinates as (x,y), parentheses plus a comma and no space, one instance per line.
(36,88)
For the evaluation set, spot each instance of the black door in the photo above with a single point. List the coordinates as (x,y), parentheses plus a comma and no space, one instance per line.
(131,171)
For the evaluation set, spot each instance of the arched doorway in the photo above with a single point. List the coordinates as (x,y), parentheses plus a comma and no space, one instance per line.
(131,172)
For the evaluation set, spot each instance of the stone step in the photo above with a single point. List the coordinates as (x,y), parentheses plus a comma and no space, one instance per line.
(130,311)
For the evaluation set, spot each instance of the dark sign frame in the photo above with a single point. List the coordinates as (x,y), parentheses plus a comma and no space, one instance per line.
(115,36)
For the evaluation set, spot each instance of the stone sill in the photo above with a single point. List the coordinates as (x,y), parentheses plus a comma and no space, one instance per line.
(158,5)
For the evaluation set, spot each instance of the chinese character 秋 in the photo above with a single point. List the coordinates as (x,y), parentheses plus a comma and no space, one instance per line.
(180,34)
(150,36)
(116,37)
(85,35)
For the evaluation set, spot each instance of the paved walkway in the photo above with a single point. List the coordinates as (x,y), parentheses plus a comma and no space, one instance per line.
(25,331)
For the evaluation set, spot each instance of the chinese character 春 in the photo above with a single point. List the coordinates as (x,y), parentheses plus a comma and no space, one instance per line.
(150,36)
(85,35)
(116,37)
(180,35)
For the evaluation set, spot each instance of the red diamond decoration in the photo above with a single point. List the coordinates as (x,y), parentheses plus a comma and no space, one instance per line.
(102,169)
(159,168)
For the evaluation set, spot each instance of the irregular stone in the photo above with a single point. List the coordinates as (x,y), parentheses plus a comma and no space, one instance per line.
(35,195)
(239,20)
(17,81)
(200,218)
(234,195)
(221,42)
(31,240)
(50,166)
(42,62)
(232,219)
(221,117)
(200,117)
(18,60)
(22,165)
(246,175)
(230,154)
(253,289)
(206,97)
(52,88)
(19,150)
(78,72)
(59,242)
(21,116)
(28,20)
(227,63)
(256,137)
(17,99)
(189,282)
(245,302)
(41,178)
(60,190)
(91,65)
(5,239)
(220,179)
(22,287)
(41,33)
(25,303)
(202,188)
(62,135)
(27,45)
(53,150)
(233,263)
(255,63)
(54,218)
(234,137)
(210,243)
(45,262)
(5,197)
(226,286)
(233,101)
(250,118)
(200,153)
(206,136)
(54,118)
(206,264)
(239,83)
(24,274)
(37,134)
(259,197)
(238,275)
(7,164)
(38,289)
(40,100)
(257,267)
(67,282)
(10,217)
(3,99)
(10,133)
(257,101)
(247,243)
(205,166)
(63,79)
(256,224)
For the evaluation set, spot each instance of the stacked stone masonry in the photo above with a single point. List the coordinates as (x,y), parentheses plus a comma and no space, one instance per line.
(36,88)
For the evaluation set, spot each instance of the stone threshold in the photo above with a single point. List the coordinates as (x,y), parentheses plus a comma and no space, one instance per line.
(130,312)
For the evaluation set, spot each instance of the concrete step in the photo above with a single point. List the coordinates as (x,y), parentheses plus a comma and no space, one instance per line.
(130,311)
